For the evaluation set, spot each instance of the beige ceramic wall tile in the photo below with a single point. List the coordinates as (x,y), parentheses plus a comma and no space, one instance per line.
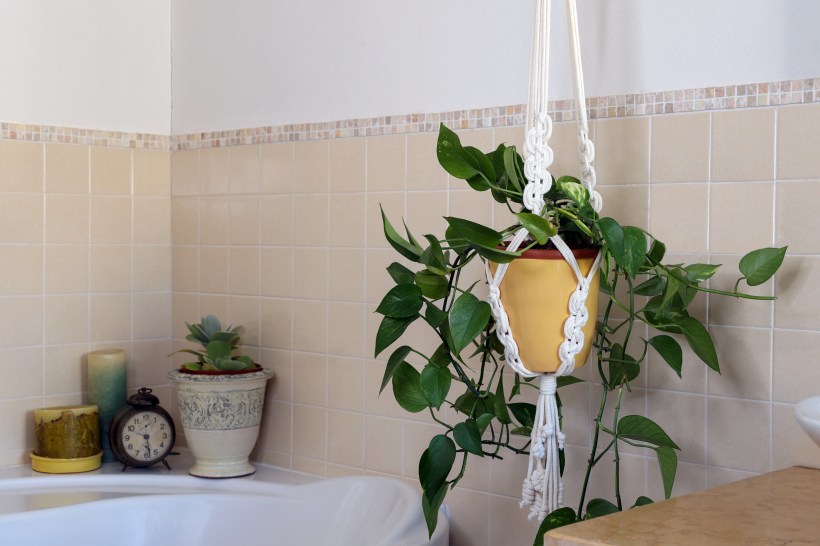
(345,438)
(738,434)
(745,356)
(21,218)
(66,168)
(469,517)
(797,222)
(679,216)
(66,368)
(148,363)
(423,169)
(66,268)
(66,319)
(110,171)
(740,217)
(310,466)
(347,220)
(152,268)
(791,445)
(796,374)
(622,150)
(661,376)
(277,220)
(629,205)
(743,145)
(18,429)
(738,312)
(245,169)
(21,323)
(66,219)
(509,523)
(564,144)
(152,173)
(21,270)
(386,156)
(719,476)
(213,269)
(281,362)
(185,308)
(277,323)
(185,173)
(110,268)
(214,171)
(345,383)
(477,138)
(214,304)
(244,270)
(152,220)
(309,378)
(310,326)
(393,205)
(798,303)
(514,136)
(425,213)
(345,336)
(185,268)
(310,269)
(346,280)
(22,166)
(680,148)
(278,167)
(245,221)
(110,219)
(347,164)
(277,272)
(666,409)
(110,317)
(312,166)
(689,478)
(310,220)
(383,445)
(276,426)
(798,131)
(214,223)
(152,315)
(378,280)
(309,431)
(244,311)
(471,205)
(184,221)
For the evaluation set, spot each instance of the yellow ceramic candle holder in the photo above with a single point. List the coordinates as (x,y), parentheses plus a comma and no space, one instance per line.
(67,439)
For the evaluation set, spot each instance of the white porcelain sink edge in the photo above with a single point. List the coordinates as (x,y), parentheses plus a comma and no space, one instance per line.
(807,413)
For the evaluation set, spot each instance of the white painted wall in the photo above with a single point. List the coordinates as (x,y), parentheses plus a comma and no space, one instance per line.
(99,64)
(106,64)
(251,63)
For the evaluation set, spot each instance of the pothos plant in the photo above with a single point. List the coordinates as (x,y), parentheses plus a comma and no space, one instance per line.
(465,371)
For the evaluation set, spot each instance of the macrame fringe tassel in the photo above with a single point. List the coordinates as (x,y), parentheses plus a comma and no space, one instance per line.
(543,489)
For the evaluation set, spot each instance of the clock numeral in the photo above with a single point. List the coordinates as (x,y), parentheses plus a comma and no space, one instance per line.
(127,437)
(131,428)
(164,435)
(130,446)
(162,426)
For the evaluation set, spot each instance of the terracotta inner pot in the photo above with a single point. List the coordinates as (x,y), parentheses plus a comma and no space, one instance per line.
(535,293)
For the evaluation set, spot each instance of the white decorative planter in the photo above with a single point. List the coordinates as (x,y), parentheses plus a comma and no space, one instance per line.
(220,416)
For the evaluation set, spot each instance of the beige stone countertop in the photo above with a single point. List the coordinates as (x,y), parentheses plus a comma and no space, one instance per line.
(777,508)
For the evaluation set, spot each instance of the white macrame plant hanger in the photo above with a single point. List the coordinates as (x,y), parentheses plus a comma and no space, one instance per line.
(543,489)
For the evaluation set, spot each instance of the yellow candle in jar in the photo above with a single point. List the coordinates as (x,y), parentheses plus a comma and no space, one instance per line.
(66,432)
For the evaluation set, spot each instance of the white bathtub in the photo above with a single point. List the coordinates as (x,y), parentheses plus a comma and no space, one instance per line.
(161,508)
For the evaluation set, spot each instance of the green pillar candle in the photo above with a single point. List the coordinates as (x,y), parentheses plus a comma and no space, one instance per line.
(106,389)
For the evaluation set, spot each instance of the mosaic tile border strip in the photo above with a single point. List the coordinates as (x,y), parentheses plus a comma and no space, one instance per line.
(87,137)
(728,97)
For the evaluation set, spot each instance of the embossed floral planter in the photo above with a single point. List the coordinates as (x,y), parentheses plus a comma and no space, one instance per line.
(221,416)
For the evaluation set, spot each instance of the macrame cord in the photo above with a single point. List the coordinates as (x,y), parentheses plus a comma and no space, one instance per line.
(542,490)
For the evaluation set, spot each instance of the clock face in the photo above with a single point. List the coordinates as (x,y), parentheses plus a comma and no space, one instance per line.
(146,437)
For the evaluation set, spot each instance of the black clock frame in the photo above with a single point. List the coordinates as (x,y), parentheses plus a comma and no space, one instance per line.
(138,403)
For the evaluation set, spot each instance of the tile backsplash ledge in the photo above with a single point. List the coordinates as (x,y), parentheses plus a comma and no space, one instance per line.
(727,97)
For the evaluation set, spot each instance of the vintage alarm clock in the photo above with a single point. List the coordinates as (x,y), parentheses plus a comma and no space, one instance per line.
(142,433)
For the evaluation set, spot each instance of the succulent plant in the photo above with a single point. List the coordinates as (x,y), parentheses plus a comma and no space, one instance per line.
(218,347)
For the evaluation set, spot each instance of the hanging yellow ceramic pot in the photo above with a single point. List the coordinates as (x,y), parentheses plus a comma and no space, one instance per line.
(535,293)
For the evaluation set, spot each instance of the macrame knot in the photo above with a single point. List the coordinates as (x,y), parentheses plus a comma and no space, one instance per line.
(548,385)
(561,437)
